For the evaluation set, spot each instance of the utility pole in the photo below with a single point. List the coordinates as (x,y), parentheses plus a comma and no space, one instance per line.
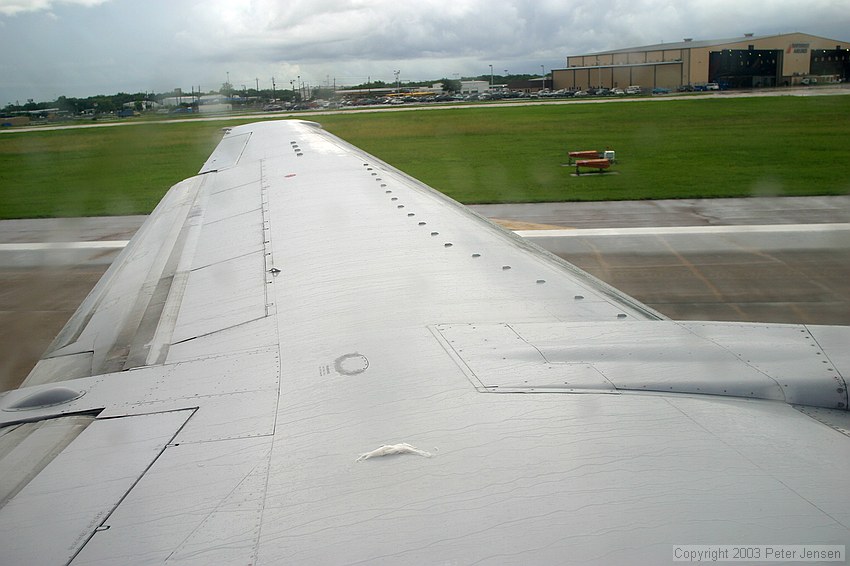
(397,82)
(543,77)
(258,85)
(491,77)
(274,94)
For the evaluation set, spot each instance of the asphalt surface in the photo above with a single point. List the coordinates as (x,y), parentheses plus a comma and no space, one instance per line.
(675,212)
(798,271)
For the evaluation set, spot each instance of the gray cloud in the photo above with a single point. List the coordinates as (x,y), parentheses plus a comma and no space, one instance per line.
(12,7)
(85,47)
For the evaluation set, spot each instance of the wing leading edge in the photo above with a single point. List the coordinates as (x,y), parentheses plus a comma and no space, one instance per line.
(300,304)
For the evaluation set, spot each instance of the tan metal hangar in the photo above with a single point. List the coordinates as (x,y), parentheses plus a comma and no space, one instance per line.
(744,62)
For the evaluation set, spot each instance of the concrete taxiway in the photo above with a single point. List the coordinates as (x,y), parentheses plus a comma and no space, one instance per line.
(760,259)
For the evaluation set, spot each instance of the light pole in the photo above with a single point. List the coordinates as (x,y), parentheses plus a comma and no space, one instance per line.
(397,81)
(491,77)
(542,77)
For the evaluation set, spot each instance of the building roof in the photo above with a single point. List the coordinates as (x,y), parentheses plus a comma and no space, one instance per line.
(696,43)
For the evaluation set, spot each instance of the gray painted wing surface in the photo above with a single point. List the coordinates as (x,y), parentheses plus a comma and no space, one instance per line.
(375,374)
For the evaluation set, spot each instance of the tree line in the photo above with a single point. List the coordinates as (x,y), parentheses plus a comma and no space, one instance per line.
(104,103)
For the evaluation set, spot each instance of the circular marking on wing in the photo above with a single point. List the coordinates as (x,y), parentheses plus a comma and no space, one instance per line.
(351,364)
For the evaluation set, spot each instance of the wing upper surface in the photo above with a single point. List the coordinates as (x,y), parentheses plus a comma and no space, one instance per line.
(304,303)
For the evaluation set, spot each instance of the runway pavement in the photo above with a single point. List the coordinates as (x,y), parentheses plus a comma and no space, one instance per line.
(761,259)
(677,212)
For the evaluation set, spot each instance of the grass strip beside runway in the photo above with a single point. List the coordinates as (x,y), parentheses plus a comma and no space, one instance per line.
(701,148)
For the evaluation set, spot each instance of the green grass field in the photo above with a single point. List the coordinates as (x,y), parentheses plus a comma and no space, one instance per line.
(718,147)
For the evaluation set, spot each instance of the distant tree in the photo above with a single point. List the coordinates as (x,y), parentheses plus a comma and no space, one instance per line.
(450,85)
(70,105)
(370,84)
(323,93)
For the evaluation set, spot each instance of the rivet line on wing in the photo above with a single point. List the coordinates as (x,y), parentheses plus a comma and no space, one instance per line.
(446,245)
(268,256)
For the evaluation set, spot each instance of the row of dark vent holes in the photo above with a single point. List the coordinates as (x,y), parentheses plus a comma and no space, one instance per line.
(449,244)
(421,223)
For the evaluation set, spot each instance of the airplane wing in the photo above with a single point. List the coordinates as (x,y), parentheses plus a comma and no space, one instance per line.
(306,356)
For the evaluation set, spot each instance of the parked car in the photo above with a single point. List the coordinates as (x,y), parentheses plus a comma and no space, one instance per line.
(686,88)
(618,92)
(634,89)
(660,90)
(712,86)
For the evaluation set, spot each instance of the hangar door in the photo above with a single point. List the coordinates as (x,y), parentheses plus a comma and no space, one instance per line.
(745,68)
(834,62)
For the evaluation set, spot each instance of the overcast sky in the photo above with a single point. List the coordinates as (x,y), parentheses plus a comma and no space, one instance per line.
(86,47)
